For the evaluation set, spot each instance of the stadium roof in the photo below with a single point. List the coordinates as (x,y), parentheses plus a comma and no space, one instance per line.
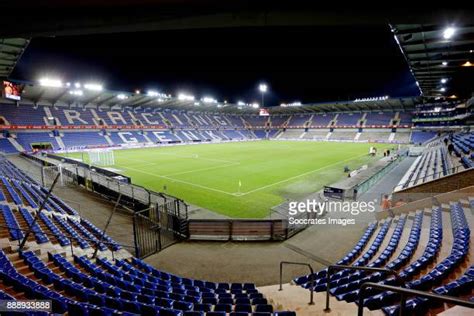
(68,95)
(395,104)
(439,57)
(59,17)
(11,50)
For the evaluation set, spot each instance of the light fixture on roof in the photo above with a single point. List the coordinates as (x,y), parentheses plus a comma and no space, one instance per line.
(443,89)
(444,80)
(185,97)
(449,32)
(76,92)
(77,85)
(467,64)
(197,103)
(240,103)
(208,100)
(293,104)
(68,84)
(453,96)
(471,51)
(152,93)
(93,86)
(122,96)
(49,82)
(137,91)
(444,63)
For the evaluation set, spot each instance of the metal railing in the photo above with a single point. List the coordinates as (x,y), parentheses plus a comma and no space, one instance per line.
(312,279)
(404,292)
(344,267)
(368,183)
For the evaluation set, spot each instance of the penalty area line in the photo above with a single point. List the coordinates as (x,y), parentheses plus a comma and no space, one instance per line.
(295,177)
(177,180)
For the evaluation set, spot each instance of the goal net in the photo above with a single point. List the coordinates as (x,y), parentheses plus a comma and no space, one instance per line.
(101,157)
(67,176)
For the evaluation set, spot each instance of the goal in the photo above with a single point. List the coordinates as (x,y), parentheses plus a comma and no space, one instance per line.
(101,157)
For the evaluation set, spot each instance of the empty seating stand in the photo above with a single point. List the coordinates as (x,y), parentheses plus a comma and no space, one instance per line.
(79,285)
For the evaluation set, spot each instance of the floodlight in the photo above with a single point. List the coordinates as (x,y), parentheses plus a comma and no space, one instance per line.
(263,87)
(48,82)
(208,100)
(442,89)
(445,63)
(76,92)
(449,32)
(122,96)
(241,103)
(93,86)
(185,97)
(467,64)
(152,93)
(77,85)
(444,80)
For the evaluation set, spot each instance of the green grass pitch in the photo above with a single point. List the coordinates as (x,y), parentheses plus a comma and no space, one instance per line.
(208,175)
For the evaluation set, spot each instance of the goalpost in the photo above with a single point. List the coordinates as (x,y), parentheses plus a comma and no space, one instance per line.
(101,157)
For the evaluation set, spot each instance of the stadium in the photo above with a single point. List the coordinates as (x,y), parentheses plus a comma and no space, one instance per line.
(298,184)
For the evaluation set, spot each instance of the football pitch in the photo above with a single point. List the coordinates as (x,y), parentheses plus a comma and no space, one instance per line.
(242,179)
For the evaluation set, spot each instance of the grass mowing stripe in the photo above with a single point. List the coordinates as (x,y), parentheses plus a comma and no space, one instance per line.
(298,176)
(208,175)
(176,180)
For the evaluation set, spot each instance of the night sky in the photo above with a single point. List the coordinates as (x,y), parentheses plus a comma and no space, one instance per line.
(307,64)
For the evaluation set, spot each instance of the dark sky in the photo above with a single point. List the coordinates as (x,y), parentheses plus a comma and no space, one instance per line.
(307,64)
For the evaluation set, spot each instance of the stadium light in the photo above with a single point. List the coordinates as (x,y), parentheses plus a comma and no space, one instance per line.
(48,82)
(185,97)
(208,100)
(68,84)
(444,63)
(77,85)
(449,32)
(444,80)
(152,93)
(93,87)
(240,103)
(255,105)
(443,89)
(122,96)
(137,91)
(263,88)
(76,92)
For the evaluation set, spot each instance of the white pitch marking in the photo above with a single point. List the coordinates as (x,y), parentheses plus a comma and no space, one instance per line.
(294,177)
(203,169)
(229,164)
(177,180)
